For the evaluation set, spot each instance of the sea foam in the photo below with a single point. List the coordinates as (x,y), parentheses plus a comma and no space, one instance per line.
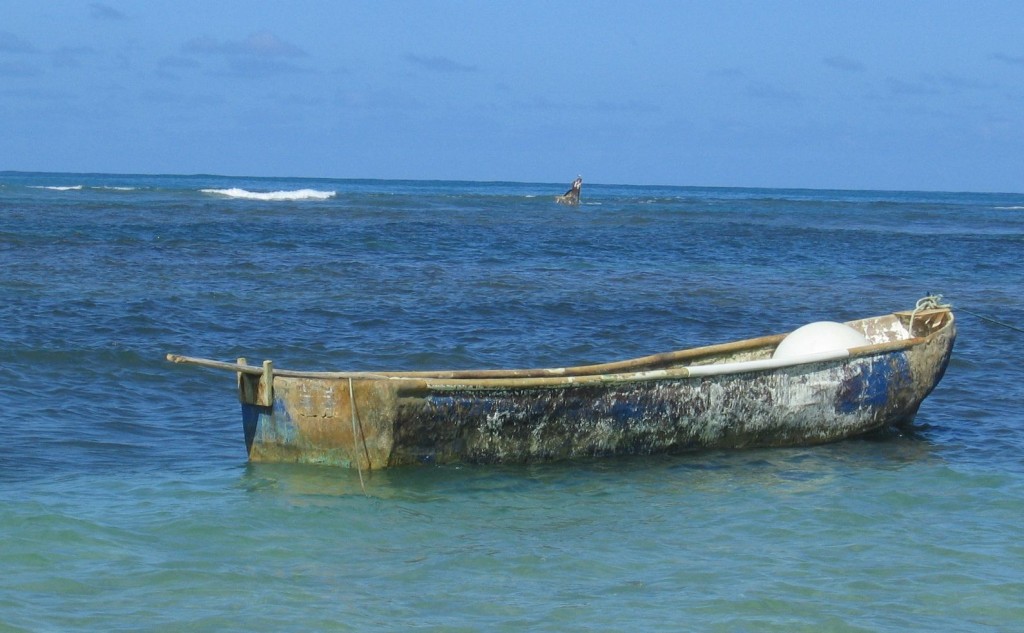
(72,188)
(298,194)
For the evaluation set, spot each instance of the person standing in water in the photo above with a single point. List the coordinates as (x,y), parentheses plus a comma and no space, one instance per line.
(571,197)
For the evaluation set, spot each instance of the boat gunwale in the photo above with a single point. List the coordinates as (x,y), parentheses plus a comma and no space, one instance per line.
(612,372)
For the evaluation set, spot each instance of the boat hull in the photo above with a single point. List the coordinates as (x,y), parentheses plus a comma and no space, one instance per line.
(376,421)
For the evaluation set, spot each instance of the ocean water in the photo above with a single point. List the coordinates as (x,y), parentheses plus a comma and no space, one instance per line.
(127,503)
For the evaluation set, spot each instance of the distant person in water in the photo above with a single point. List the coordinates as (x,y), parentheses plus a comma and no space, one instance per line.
(571,197)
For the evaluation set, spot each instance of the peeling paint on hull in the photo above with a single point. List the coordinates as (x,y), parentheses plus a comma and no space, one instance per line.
(779,408)
(738,398)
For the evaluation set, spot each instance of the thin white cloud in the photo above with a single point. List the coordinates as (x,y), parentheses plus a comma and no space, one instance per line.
(730,73)
(258,55)
(917,88)
(439,64)
(1013,60)
(104,12)
(36,94)
(259,45)
(600,106)
(18,69)
(168,67)
(254,67)
(11,43)
(769,92)
(178,62)
(959,82)
(71,56)
(843,63)
(929,85)
(628,106)
(377,99)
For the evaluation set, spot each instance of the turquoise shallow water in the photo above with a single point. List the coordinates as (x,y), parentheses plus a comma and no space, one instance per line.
(126,502)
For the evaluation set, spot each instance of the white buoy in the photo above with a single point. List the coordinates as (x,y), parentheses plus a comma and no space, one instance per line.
(821,336)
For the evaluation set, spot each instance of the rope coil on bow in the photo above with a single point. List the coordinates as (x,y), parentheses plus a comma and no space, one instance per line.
(934,302)
(930,302)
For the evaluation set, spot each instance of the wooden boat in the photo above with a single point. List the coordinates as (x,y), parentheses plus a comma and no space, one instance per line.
(780,390)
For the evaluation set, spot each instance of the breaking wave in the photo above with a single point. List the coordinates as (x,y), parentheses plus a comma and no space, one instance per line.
(298,194)
(71,188)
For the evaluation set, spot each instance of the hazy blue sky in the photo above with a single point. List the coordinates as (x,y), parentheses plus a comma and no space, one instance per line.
(854,95)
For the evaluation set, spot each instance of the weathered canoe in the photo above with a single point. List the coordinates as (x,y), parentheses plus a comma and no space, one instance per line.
(733,395)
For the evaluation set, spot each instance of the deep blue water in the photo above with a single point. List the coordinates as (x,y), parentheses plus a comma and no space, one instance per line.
(126,501)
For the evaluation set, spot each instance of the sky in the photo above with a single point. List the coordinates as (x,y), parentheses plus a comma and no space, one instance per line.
(889,95)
